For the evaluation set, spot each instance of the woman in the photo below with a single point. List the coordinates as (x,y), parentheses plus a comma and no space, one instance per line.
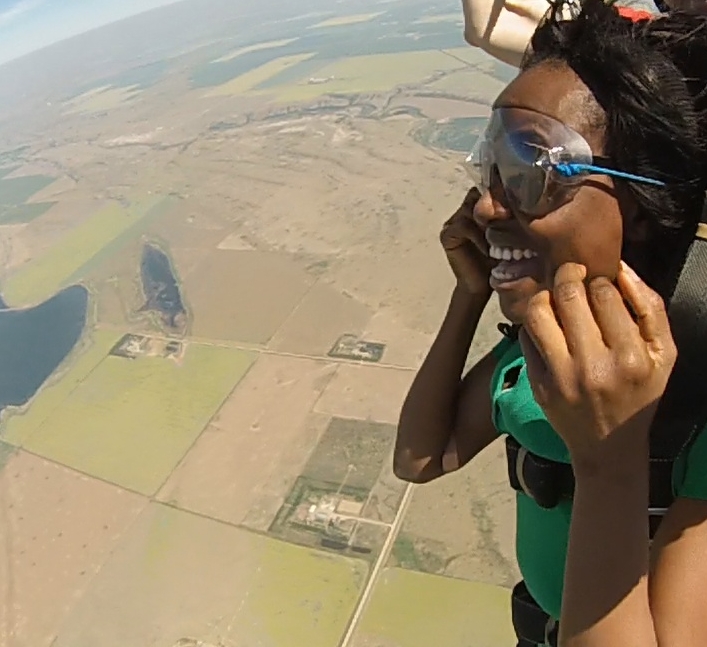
(589,352)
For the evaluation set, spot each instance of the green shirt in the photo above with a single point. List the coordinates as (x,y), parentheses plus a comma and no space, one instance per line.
(542,535)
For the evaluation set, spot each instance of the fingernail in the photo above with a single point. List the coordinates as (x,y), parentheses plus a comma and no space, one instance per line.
(629,272)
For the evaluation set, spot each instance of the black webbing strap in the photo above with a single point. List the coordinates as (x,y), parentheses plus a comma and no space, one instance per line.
(682,412)
(531,624)
(548,482)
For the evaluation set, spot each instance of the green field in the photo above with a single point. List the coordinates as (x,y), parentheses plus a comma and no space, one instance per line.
(468,83)
(419,610)
(23,213)
(101,99)
(128,421)
(313,593)
(370,73)
(250,80)
(17,190)
(18,428)
(5,171)
(6,452)
(42,277)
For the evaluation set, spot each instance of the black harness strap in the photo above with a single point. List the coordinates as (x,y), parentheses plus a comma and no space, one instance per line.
(682,411)
(532,625)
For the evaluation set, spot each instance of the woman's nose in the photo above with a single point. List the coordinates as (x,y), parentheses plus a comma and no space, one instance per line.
(492,205)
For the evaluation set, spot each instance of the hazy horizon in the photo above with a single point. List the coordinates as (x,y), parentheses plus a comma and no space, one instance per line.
(29,25)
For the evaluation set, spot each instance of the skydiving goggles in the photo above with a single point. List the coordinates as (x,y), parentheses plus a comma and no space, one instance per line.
(541,163)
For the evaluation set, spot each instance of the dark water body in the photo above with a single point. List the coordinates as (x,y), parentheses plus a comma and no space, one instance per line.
(160,286)
(33,342)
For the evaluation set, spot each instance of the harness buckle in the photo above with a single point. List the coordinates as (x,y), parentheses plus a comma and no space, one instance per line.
(538,478)
(520,471)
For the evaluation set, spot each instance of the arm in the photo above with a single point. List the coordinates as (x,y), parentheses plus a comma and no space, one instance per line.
(445,421)
(502,28)
(667,608)
(678,581)
(605,600)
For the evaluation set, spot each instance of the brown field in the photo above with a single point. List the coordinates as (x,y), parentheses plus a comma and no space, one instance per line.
(243,296)
(247,459)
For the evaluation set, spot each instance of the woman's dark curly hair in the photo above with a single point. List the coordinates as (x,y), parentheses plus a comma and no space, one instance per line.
(650,79)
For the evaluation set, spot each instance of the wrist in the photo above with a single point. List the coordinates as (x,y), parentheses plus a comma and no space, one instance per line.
(463,315)
(463,297)
(611,461)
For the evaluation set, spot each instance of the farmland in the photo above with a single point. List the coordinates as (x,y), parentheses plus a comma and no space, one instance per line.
(101,99)
(130,421)
(252,215)
(41,277)
(250,80)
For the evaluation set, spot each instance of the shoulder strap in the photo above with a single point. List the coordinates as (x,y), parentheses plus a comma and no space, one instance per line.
(682,412)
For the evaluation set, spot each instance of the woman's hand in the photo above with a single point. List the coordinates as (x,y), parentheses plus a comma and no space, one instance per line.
(597,372)
(466,247)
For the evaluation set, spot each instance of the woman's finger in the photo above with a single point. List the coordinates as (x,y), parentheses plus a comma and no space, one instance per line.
(538,375)
(459,231)
(466,264)
(547,337)
(648,306)
(617,328)
(581,332)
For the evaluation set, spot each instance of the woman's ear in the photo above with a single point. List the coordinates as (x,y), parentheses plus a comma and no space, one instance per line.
(634,225)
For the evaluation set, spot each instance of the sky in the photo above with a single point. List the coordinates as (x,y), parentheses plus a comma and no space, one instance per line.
(27,25)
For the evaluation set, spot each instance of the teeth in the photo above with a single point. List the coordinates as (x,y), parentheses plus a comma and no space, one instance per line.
(508,253)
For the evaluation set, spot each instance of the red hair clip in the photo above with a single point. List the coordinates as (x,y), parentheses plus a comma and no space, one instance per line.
(634,15)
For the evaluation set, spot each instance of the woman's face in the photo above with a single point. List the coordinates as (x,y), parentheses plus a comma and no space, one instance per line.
(587,229)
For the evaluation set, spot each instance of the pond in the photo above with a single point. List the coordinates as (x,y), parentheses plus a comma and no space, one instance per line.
(160,286)
(35,341)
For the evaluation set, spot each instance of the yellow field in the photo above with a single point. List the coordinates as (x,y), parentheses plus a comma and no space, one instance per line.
(252,78)
(100,99)
(468,82)
(341,21)
(325,587)
(372,73)
(18,428)
(444,17)
(471,55)
(129,421)
(42,277)
(177,574)
(419,610)
(257,47)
